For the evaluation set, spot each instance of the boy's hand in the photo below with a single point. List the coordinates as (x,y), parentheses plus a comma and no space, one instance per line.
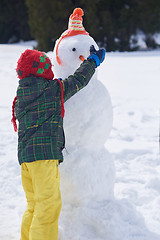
(97,55)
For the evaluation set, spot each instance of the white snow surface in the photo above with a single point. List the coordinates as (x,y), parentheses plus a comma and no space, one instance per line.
(132,80)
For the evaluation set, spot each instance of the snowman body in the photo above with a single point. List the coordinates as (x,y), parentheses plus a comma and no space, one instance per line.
(87,125)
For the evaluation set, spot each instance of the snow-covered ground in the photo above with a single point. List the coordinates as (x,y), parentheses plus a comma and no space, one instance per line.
(133,80)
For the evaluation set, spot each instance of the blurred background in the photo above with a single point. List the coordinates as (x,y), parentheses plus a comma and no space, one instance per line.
(122,25)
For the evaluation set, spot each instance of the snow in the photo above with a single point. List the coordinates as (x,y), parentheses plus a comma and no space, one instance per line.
(138,40)
(156,37)
(132,79)
(134,89)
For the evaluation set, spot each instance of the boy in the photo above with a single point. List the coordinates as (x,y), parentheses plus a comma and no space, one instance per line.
(39,108)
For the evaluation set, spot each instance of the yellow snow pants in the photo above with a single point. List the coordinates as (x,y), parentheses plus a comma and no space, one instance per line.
(41,183)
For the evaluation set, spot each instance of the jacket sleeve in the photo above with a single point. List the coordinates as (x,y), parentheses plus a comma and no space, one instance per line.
(79,79)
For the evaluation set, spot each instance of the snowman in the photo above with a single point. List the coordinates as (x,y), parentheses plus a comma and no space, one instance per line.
(87,173)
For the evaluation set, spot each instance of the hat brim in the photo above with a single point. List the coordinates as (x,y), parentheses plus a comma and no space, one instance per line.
(69,33)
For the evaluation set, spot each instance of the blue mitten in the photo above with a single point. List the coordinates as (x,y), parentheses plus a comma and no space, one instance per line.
(97,55)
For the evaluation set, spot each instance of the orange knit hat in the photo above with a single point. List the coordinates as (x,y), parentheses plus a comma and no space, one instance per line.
(75,27)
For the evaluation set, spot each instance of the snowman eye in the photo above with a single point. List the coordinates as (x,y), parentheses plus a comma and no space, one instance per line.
(73,49)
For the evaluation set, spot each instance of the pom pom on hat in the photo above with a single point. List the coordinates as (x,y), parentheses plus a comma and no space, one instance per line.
(78,11)
(75,27)
(34,62)
(77,14)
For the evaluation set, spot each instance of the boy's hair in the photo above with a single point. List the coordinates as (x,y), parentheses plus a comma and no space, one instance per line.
(34,62)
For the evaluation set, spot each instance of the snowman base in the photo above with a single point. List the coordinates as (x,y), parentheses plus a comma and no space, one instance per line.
(87,177)
(104,220)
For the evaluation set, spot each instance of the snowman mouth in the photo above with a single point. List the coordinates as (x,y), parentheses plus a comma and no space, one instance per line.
(81,58)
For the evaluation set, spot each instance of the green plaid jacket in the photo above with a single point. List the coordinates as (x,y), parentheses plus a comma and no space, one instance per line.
(38,110)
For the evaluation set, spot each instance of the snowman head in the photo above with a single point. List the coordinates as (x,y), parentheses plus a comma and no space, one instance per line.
(73,46)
